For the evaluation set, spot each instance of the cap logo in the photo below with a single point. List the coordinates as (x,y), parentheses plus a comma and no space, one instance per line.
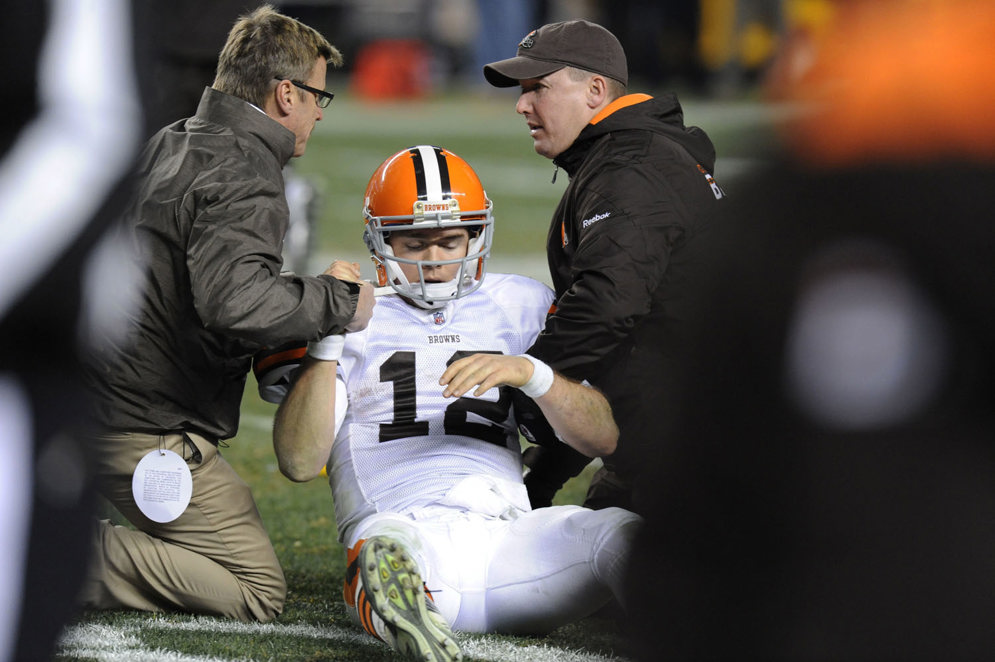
(528,41)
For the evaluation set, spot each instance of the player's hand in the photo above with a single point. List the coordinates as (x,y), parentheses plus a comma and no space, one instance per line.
(364,307)
(484,371)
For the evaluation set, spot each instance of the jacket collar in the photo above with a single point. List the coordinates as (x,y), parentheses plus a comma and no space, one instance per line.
(244,119)
(619,103)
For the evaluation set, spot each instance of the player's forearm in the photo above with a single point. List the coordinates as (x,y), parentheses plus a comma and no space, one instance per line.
(304,427)
(580,415)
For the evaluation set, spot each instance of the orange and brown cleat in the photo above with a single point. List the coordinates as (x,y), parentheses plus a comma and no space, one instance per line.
(385,589)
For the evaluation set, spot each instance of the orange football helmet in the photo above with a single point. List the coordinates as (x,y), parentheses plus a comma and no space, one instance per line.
(427,187)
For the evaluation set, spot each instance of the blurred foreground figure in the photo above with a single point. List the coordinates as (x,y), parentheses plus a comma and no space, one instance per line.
(69,132)
(830,492)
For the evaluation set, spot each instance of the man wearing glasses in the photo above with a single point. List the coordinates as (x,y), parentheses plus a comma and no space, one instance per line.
(323,98)
(208,221)
(304,123)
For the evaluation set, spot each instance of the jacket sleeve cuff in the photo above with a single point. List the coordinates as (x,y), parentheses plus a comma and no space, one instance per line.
(342,291)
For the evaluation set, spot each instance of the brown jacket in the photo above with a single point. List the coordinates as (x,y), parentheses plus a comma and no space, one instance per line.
(208,219)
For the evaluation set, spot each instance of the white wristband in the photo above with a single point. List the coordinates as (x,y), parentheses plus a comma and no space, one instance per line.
(541,380)
(328,348)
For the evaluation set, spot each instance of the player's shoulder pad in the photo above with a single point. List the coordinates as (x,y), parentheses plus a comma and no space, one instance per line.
(518,290)
(275,369)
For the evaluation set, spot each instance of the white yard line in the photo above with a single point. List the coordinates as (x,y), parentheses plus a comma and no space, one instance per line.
(108,643)
(205,624)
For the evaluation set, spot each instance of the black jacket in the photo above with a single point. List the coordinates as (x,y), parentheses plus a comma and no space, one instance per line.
(209,220)
(622,245)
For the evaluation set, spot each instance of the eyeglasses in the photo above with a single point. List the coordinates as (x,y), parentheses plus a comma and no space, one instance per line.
(321,97)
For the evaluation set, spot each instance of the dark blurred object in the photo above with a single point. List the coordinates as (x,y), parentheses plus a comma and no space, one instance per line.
(827,490)
(183,50)
(22,32)
(831,492)
(66,143)
(659,40)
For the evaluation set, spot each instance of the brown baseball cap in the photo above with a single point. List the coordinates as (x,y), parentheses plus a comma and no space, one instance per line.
(579,44)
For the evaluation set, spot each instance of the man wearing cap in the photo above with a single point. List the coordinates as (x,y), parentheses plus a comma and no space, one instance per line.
(623,244)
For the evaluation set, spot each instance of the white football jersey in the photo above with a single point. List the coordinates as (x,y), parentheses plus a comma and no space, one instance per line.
(402,446)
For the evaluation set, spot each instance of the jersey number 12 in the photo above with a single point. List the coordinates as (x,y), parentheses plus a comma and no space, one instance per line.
(400,369)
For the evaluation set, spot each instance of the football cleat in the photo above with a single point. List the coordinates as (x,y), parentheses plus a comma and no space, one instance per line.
(393,606)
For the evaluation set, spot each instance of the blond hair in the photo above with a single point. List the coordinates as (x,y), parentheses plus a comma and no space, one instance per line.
(266,45)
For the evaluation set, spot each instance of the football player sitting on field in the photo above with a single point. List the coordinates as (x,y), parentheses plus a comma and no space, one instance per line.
(417,418)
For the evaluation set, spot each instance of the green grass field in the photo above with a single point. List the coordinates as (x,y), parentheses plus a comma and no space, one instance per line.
(344,150)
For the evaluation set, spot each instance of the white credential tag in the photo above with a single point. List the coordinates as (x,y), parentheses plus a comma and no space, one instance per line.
(162,485)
